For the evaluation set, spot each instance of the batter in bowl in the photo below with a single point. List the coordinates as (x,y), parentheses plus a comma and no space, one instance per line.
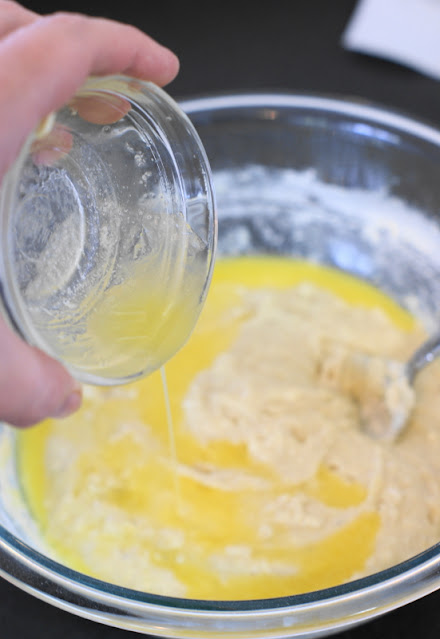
(270,486)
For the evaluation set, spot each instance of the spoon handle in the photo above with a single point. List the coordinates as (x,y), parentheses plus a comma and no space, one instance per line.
(423,356)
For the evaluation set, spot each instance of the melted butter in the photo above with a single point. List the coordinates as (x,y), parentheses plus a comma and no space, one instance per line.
(136,481)
(136,327)
(331,490)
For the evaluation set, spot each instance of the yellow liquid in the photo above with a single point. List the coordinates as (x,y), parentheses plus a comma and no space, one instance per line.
(146,312)
(134,328)
(139,483)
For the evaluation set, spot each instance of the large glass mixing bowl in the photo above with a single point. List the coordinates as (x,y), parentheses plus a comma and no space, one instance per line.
(339,182)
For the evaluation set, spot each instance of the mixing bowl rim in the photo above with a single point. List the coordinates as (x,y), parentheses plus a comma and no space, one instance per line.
(338,103)
(46,571)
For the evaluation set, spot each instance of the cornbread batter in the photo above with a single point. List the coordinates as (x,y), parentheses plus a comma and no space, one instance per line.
(276,487)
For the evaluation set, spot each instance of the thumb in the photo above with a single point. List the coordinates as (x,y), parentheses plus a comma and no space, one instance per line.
(33,386)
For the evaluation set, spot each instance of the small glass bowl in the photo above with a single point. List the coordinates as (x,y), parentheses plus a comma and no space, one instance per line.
(349,156)
(108,232)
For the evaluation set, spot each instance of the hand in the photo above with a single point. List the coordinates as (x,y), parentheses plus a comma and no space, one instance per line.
(43,61)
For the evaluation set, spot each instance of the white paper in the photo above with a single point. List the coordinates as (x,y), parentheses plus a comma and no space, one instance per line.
(404,31)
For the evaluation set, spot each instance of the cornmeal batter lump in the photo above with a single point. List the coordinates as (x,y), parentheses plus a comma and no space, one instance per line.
(277,484)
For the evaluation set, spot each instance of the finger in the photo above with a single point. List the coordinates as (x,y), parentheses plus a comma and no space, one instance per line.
(32,385)
(101,111)
(13,16)
(34,81)
(49,148)
(53,146)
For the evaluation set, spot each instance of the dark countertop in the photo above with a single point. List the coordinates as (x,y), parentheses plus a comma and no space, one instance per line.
(293,45)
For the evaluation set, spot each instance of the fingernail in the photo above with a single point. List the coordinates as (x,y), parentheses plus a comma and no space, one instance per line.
(45,126)
(71,404)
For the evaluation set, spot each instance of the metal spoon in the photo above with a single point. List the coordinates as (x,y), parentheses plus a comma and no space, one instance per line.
(383,388)
(400,383)
(424,355)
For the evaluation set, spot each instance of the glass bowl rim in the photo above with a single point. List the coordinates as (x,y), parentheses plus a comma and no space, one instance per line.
(413,570)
